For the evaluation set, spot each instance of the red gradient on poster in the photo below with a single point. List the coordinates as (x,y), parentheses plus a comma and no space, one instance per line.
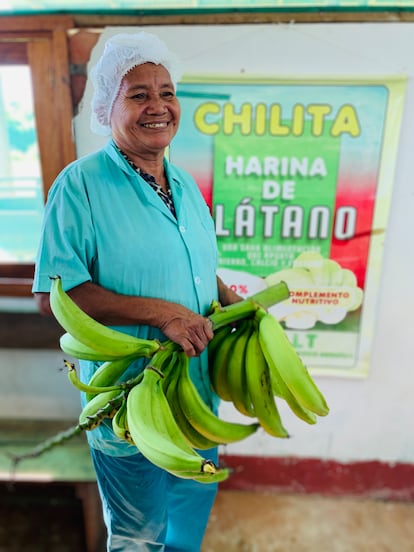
(205,183)
(360,194)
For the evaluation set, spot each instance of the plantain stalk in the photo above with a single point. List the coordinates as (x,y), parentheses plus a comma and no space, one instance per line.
(221,316)
(63,436)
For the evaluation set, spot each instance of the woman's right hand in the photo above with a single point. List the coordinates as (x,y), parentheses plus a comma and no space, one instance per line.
(189,330)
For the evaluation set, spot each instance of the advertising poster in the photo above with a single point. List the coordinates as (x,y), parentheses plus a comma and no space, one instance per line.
(298,176)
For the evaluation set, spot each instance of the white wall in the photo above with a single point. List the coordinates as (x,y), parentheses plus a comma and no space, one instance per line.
(370,418)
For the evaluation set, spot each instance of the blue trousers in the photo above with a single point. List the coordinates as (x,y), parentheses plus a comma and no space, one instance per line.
(146,509)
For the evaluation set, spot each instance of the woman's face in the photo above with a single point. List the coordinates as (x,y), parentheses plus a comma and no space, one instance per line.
(146,112)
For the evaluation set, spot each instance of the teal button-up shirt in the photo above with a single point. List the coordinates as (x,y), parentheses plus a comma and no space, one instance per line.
(103,223)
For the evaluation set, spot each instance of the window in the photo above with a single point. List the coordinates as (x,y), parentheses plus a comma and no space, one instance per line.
(35,139)
(21,189)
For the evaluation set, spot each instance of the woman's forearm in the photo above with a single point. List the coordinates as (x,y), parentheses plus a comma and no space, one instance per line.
(187,328)
(226,295)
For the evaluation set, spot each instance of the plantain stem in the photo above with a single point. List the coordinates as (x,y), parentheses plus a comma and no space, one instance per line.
(271,295)
(222,316)
(46,445)
(63,436)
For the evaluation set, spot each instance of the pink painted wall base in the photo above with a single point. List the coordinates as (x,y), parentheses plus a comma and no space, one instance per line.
(371,479)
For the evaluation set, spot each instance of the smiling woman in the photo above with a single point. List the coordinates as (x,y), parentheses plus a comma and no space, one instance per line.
(133,240)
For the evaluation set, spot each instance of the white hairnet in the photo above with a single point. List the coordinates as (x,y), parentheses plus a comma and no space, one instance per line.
(122,52)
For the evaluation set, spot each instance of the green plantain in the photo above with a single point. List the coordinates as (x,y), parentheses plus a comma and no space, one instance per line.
(202,417)
(282,357)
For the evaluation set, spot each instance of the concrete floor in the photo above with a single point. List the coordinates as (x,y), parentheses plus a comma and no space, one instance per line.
(256,522)
(48,518)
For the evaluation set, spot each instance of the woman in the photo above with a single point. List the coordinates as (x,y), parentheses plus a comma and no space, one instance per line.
(134,243)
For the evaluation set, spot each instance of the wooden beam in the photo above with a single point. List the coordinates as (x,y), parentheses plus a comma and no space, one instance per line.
(40,54)
(15,287)
(29,330)
(62,90)
(243,18)
(21,23)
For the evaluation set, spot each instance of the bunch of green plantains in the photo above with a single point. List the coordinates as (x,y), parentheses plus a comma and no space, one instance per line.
(160,411)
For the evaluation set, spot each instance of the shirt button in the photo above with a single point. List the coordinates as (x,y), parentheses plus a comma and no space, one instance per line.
(182,229)
(197,280)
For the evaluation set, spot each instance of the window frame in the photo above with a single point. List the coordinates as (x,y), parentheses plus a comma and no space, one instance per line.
(41,43)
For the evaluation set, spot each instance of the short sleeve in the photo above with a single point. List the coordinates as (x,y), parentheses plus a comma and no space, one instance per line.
(67,245)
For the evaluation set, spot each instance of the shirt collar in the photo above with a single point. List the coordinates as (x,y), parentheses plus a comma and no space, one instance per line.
(114,153)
